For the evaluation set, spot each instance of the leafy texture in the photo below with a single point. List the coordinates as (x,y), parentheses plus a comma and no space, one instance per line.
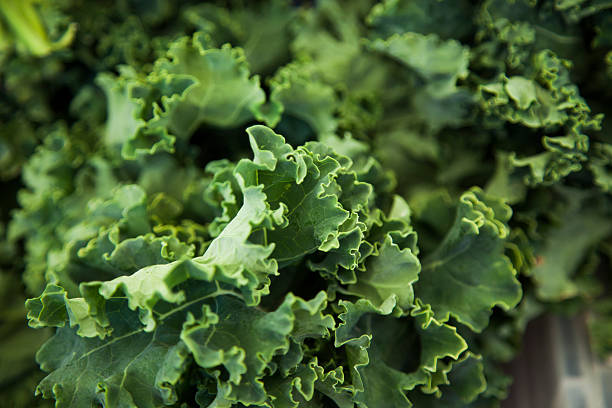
(296,204)
(456,281)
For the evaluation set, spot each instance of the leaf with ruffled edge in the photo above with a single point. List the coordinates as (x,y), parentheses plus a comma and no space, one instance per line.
(355,196)
(245,340)
(390,270)
(190,87)
(465,382)
(136,367)
(301,96)
(544,98)
(132,368)
(261,31)
(222,92)
(439,65)
(390,355)
(234,264)
(53,308)
(298,180)
(468,273)
(152,291)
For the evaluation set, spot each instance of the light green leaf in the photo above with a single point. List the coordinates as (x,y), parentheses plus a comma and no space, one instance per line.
(222,92)
(305,98)
(427,55)
(521,90)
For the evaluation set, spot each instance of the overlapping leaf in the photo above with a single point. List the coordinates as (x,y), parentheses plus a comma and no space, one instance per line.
(169,269)
(468,273)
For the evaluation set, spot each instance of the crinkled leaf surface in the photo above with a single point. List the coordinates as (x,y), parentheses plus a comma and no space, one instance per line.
(469,273)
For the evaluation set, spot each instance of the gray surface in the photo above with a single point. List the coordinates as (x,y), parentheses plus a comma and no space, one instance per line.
(556,369)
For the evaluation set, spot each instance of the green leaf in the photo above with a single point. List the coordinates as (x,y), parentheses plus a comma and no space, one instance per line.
(468,273)
(53,308)
(390,270)
(521,90)
(433,59)
(558,258)
(296,180)
(193,85)
(130,369)
(303,97)
(600,165)
(222,92)
(230,258)
(342,263)
(30,34)
(438,340)
(437,66)
(391,355)
(245,340)
(466,382)
(263,33)
(295,390)
(125,123)
(544,98)
(426,17)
